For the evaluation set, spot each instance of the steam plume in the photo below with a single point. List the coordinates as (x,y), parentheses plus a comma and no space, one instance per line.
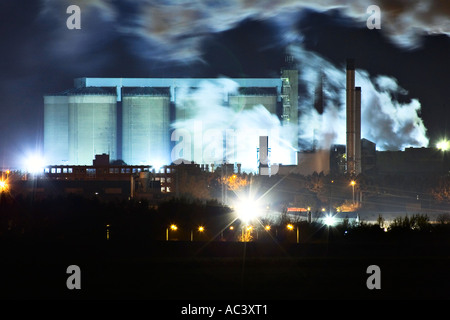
(392,125)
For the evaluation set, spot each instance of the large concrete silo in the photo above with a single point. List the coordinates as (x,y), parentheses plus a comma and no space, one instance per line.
(145,126)
(92,124)
(56,117)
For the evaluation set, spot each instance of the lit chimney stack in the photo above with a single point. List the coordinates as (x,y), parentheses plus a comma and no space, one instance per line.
(263,155)
(353,108)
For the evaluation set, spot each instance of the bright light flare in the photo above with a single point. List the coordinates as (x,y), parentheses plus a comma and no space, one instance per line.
(173,227)
(3,186)
(34,164)
(443,145)
(201,229)
(329,220)
(247,210)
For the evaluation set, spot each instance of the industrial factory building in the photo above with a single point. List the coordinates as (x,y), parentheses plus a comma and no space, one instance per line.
(130,118)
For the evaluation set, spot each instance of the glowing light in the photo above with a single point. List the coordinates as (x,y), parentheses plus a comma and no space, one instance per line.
(34,164)
(247,210)
(290,227)
(173,227)
(443,145)
(352,183)
(267,228)
(201,229)
(235,182)
(330,220)
(231,228)
(157,165)
(3,185)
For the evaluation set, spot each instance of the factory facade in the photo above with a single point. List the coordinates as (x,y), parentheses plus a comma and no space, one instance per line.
(130,118)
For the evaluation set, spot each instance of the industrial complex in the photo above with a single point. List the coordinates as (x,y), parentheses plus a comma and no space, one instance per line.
(132,120)
(114,138)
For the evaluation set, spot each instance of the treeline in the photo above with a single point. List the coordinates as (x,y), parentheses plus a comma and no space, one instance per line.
(75,218)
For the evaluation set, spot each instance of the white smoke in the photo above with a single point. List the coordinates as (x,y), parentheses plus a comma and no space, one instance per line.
(392,125)
(183,25)
(175,30)
(208,131)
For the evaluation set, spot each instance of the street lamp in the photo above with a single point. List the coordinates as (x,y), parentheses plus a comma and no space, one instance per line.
(199,229)
(107,231)
(173,227)
(291,227)
(352,183)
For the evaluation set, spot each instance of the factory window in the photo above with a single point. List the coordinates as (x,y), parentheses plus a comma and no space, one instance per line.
(91,171)
(47,170)
(58,170)
(53,170)
(168,189)
(168,180)
(69,170)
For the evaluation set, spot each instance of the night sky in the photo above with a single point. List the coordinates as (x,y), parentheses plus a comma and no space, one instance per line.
(40,55)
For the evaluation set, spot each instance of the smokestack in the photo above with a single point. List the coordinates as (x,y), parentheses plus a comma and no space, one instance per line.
(263,155)
(353,108)
(350,108)
(357,130)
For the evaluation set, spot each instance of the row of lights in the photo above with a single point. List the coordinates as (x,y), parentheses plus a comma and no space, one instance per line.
(249,228)
(174,227)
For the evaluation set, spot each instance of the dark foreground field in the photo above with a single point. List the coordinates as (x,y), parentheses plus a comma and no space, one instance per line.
(223,270)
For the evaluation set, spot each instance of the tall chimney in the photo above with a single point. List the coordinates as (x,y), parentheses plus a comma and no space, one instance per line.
(263,155)
(350,108)
(357,130)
